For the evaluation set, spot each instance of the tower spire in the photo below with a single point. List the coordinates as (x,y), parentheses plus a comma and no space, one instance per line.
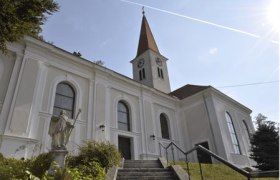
(149,66)
(146,39)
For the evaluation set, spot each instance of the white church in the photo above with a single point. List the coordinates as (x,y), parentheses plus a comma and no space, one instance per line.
(38,80)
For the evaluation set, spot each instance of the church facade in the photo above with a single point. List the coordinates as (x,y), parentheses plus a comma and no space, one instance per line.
(38,80)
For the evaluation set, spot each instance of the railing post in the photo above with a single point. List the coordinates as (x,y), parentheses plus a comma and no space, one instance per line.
(159,150)
(188,169)
(172,149)
(200,169)
(166,155)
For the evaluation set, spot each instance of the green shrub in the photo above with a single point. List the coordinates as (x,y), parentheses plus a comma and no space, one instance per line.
(40,164)
(11,168)
(92,170)
(103,153)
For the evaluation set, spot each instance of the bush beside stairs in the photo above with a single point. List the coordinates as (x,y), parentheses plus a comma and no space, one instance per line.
(145,169)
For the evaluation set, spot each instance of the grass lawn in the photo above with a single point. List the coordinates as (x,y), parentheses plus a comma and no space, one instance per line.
(215,172)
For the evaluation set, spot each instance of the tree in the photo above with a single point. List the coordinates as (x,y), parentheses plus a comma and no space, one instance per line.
(99,62)
(77,54)
(23,17)
(265,144)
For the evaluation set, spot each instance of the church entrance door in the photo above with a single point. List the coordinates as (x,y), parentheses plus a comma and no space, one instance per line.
(203,157)
(125,147)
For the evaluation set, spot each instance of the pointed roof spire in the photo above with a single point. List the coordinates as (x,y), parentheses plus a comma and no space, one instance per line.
(146,39)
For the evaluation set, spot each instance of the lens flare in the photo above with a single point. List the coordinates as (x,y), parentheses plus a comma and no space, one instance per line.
(273,14)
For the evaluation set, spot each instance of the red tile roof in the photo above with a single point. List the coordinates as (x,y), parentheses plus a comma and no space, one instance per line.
(187,90)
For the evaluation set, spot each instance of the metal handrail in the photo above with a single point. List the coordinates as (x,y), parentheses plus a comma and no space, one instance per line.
(241,171)
(230,165)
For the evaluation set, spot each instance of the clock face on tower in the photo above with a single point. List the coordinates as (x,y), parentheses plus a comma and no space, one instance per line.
(140,63)
(159,61)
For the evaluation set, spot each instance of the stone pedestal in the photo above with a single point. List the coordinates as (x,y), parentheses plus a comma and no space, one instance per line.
(59,156)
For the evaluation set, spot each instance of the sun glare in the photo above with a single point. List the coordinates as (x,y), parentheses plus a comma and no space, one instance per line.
(273,14)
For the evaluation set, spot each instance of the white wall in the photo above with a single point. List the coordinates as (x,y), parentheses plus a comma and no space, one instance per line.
(27,97)
(98,91)
(238,113)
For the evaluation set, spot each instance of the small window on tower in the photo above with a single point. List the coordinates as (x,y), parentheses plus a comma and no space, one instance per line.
(143,72)
(140,75)
(161,73)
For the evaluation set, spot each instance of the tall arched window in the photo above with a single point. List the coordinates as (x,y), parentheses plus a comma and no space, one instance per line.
(164,127)
(123,116)
(64,99)
(233,136)
(246,128)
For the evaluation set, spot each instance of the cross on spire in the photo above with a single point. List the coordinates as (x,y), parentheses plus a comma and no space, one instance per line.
(143,10)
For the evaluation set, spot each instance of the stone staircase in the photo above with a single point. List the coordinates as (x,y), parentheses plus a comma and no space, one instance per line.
(145,169)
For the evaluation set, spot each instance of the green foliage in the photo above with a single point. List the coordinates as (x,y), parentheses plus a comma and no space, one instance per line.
(103,153)
(11,168)
(265,145)
(92,162)
(34,168)
(30,176)
(24,17)
(40,164)
(215,172)
(90,171)
(99,62)
(77,54)
(85,172)
(61,173)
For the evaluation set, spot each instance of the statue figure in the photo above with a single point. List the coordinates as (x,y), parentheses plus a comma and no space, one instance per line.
(60,130)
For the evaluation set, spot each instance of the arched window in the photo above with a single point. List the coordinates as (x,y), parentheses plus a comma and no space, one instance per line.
(246,128)
(64,99)
(164,127)
(123,116)
(233,134)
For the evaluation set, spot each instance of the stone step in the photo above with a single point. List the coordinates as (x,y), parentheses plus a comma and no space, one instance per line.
(142,166)
(133,173)
(141,161)
(147,178)
(144,170)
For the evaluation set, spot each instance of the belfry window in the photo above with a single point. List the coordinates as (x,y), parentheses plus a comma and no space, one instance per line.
(123,116)
(64,99)
(142,74)
(164,127)
(233,135)
(160,73)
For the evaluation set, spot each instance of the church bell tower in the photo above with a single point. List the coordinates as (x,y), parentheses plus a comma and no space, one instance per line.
(149,66)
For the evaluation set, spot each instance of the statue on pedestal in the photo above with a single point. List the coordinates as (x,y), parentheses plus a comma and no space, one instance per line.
(60,130)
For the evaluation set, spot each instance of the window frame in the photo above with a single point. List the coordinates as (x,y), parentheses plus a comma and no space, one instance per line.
(65,96)
(127,114)
(232,133)
(164,126)
(246,128)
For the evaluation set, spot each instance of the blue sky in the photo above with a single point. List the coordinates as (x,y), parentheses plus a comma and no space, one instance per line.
(199,52)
